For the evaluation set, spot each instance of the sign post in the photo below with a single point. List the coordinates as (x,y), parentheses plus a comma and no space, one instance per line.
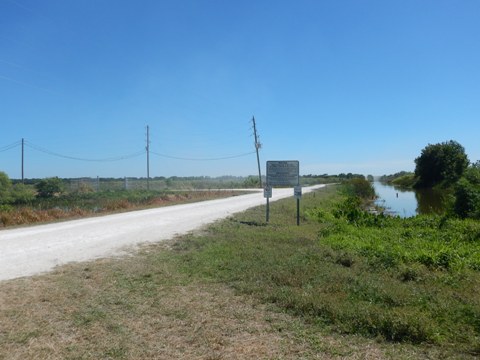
(297,193)
(284,173)
(267,193)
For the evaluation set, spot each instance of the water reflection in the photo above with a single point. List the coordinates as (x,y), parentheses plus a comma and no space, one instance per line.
(406,202)
(430,201)
(395,200)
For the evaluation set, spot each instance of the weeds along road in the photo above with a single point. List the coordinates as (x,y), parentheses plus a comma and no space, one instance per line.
(32,250)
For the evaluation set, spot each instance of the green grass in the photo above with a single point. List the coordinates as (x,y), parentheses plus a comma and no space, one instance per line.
(411,281)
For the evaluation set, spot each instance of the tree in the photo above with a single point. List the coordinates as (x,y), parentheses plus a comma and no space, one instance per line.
(5,188)
(442,163)
(49,187)
(467,194)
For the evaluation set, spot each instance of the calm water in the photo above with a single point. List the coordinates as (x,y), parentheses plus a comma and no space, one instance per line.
(406,203)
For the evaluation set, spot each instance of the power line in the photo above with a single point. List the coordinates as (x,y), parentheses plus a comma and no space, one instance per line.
(117,158)
(110,159)
(201,159)
(11,146)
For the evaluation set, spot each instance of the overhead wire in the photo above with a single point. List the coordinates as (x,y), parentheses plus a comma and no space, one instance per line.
(201,159)
(186,158)
(117,158)
(110,159)
(11,146)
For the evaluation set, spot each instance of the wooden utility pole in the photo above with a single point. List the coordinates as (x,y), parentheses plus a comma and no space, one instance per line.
(23,155)
(148,157)
(258,145)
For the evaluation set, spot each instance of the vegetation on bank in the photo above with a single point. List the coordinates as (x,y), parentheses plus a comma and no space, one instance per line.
(445,166)
(441,164)
(402,179)
(412,281)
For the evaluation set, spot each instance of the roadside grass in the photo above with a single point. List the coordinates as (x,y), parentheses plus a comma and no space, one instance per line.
(412,281)
(243,289)
(144,307)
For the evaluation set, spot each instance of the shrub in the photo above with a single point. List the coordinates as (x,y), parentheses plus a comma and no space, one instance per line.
(22,194)
(5,188)
(360,187)
(49,187)
(467,194)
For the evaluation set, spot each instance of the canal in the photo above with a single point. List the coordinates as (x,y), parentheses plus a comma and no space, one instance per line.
(408,202)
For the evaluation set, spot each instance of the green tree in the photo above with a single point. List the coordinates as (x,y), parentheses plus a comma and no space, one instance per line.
(442,163)
(49,187)
(5,188)
(467,194)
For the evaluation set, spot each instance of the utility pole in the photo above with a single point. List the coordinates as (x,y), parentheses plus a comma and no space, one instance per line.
(258,145)
(23,155)
(148,158)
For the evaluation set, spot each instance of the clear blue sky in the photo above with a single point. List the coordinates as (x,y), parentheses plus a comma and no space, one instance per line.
(340,85)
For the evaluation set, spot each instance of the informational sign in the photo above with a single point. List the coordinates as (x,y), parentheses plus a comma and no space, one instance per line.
(297,192)
(283,173)
(267,192)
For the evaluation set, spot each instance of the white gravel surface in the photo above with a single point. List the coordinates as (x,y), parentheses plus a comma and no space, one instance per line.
(36,249)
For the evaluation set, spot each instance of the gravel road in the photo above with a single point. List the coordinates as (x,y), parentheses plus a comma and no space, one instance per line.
(32,250)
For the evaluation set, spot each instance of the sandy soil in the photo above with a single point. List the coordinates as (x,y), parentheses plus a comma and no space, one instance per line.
(37,249)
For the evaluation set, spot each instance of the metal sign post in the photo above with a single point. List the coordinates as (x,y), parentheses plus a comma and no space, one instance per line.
(267,193)
(297,193)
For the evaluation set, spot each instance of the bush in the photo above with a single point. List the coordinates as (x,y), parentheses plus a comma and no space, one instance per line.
(467,194)
(22,194)
(5,189)
(49,187)
(359,187)
(251,182)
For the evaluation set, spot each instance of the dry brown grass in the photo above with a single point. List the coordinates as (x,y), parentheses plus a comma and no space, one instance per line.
(28,215)
(142,307)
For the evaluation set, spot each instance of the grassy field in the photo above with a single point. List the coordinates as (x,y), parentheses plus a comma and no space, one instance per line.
(344,284)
